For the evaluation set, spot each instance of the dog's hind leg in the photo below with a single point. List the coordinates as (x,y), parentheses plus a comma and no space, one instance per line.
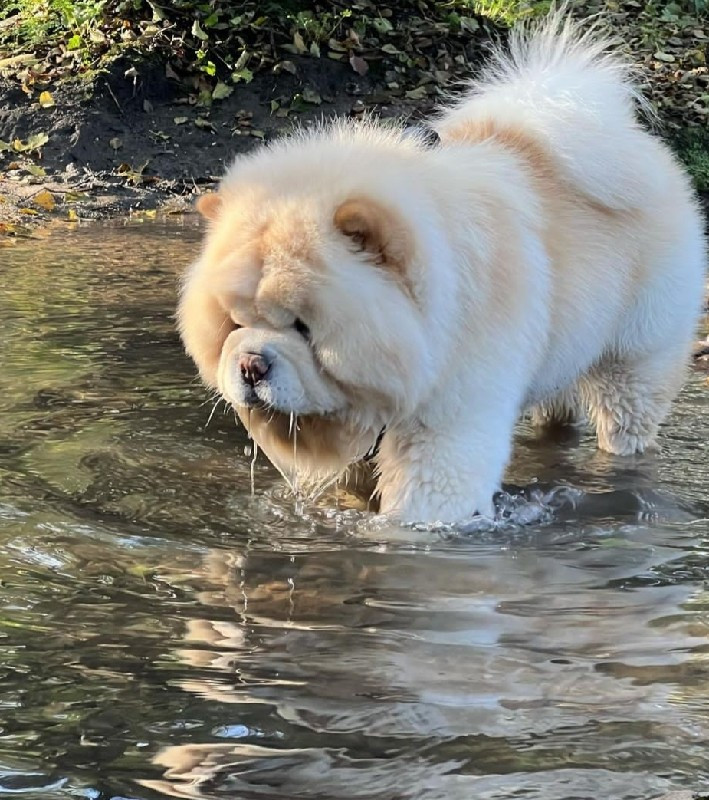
(627,398)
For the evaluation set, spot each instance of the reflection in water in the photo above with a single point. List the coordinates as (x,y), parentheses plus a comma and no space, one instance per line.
(455,668)
(167,634)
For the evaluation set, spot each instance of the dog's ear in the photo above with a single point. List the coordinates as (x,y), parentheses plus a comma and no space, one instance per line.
(209,205)
(376,230)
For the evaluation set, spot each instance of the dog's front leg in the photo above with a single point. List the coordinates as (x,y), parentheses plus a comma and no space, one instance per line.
(444,473)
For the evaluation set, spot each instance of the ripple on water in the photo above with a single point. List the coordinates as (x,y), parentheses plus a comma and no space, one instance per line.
(165,633)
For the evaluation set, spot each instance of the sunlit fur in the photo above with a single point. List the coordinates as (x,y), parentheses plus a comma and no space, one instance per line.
(549,253)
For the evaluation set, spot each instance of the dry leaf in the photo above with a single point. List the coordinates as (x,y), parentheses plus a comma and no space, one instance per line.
(198,32)
(45,199)
(298,43)
(46,100)
(36,170)
(359,65)
(311,96)
(221,90)
(205,124)
(33,142)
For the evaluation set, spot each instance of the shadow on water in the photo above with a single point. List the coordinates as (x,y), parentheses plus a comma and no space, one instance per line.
(166,634)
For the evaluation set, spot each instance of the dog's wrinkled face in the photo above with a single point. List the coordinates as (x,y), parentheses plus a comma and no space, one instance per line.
(302,306)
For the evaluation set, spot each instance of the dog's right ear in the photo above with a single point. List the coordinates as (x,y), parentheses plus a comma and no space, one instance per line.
(376,230)
(209,205)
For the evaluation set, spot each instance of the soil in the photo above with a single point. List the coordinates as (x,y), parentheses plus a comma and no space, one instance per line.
(133,141)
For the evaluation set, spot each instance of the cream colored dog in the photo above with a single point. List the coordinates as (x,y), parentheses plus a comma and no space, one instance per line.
(548,253)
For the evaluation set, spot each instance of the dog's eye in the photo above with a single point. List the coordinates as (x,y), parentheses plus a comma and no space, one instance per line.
(302,328)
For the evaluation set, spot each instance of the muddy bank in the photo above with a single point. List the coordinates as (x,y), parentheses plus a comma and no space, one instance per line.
(134,140)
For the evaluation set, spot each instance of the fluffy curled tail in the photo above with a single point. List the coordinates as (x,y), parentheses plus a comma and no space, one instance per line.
(559,59)
(563,84)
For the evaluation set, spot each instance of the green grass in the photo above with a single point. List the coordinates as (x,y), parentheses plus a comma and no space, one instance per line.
(693,150)
(510,12)
(39,22)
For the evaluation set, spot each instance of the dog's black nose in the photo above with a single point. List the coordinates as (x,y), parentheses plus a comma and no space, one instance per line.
(254,368)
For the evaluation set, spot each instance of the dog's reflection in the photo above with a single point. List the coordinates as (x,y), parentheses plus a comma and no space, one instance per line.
(352,673)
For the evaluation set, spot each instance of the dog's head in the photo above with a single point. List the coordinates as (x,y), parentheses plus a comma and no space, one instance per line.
(309,300)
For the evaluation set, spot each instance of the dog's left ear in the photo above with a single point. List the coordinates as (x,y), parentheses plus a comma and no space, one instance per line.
(376,230)
(209,205)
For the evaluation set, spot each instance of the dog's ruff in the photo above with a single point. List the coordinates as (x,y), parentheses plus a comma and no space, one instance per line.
(547,253)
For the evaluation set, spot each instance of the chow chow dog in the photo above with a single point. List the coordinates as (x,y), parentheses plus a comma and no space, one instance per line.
(362,292)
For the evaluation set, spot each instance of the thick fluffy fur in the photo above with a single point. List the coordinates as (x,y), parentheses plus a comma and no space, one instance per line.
(548,253)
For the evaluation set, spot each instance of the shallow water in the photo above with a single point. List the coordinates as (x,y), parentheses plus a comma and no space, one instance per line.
(165,634)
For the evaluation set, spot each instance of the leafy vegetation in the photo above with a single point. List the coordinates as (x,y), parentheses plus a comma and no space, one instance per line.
(693,149)
(412,49)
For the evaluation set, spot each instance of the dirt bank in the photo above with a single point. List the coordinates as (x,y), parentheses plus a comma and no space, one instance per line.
(134,140)
(151,128)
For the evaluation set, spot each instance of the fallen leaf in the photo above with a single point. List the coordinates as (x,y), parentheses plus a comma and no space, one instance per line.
(288,66)
(158,13)
(245,75)
(46,100)
(311,96)
(205,124)
(29,212)
(298,43)
(180,120)
(668,58)
(33,142)
(115,143)
(221,90)
(382,25)
(359,65)
(147,107)
(45,199)
(198,32)
(23,59)
(72,216)
(36,170)
(417,94)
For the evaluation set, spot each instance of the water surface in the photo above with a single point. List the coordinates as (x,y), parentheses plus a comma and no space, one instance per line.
(164,633)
